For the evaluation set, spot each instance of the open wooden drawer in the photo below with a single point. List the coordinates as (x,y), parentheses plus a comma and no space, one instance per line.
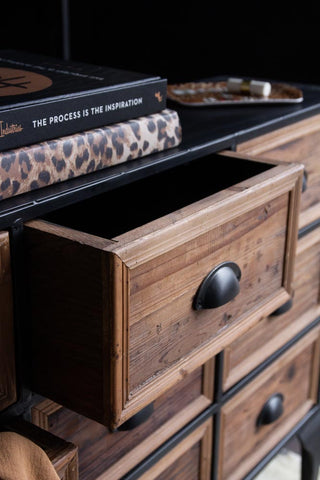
(118,316)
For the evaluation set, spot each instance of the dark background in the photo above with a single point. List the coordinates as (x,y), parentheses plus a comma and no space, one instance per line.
(176,40)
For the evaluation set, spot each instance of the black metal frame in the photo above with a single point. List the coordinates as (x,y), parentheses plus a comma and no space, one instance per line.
(308,228)
(65,20)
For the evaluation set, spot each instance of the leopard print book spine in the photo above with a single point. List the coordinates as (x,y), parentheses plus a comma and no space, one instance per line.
(36,166)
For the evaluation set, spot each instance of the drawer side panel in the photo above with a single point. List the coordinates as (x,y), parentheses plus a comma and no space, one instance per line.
(67,315)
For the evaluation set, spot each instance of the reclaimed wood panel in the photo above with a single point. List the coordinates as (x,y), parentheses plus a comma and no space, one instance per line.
(272,332)
(163,326)
(299,142)
(189,460)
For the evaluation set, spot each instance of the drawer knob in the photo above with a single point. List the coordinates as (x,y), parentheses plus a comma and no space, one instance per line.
(272,410)
(137,419)
(219,287)
(283,308)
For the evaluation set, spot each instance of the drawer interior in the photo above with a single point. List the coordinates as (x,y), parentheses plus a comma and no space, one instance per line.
(131,206)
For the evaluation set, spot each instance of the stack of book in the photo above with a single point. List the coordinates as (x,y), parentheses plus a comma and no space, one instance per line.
(60,120)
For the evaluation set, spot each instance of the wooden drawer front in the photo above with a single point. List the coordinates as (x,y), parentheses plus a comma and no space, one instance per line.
(189,460)
(7,353)
(296,143)
(109,455)
(294,376)
(272,332)
(119,313)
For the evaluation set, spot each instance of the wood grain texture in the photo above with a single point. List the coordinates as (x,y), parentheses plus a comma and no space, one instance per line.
(296,143)
(119,311)
(272,332)
(189,460)
(186,467)
(107,455)
(62,454)
(173,230)
(8,393)
(163,326)
(294,375)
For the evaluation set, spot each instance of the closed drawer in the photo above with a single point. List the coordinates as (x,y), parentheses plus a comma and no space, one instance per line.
(112,454)
(272,332)
(7,352)
(256,419)
(113,297)
(296,143)
(189,460)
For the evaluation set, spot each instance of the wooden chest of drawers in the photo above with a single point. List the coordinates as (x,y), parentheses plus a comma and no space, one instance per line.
(116,299)
(173,308)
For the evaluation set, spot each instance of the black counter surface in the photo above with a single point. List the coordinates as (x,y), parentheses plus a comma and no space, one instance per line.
(205,130)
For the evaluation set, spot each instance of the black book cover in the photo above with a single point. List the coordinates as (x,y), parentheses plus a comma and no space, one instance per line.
(42,98)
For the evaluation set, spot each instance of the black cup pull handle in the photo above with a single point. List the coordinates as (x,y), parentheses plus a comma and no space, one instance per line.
(304,181)
(220,286)
(271,410)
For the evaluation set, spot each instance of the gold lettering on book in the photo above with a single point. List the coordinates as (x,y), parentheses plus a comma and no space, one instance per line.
(8,129)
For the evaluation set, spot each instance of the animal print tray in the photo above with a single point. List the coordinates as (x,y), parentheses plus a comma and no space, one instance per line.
(204,94)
